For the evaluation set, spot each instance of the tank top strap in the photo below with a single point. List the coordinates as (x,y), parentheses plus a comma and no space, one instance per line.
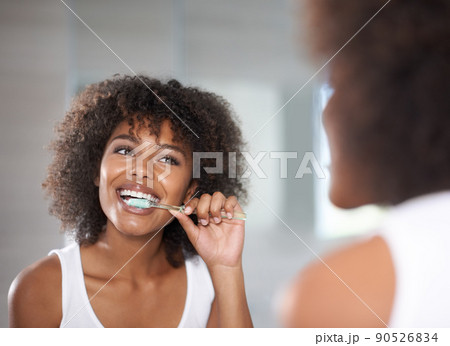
(77,310)
(200,294)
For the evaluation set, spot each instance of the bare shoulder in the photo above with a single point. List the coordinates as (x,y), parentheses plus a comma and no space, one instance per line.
(34,298)
(354,287)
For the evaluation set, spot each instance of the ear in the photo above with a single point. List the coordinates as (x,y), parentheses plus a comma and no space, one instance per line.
(97,181)
(190,191)
(97,176)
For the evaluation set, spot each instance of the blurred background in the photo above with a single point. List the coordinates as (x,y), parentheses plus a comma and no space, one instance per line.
(249,51)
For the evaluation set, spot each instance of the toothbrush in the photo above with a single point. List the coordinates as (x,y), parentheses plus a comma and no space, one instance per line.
(145,203)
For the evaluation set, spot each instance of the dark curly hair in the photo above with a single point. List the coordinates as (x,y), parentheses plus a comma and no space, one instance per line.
(89,123)
(393,79)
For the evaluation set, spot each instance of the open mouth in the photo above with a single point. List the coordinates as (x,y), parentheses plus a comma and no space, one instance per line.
(138,199)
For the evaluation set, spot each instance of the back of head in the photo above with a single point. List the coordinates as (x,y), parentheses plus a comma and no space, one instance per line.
(392,83)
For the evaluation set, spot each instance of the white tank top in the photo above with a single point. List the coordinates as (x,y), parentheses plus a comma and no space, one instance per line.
(418,235)
(78,312)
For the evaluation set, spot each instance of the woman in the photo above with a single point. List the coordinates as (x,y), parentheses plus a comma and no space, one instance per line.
(388,123)
(125,144)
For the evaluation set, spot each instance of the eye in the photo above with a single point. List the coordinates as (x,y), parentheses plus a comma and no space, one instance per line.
(123,150)
(170,160)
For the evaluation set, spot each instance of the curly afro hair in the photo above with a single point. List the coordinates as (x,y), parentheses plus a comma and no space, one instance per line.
(89,123)
(393,79)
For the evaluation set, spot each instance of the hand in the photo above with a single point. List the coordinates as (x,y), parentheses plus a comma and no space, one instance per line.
(218,241)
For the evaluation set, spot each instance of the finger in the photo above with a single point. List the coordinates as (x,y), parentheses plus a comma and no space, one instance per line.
(203,209)
(217,203)
(231,204)
(190,206)
(188,225)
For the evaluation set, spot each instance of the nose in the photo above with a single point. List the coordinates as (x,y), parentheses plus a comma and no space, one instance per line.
(140,171)
(140,165)
(144,167)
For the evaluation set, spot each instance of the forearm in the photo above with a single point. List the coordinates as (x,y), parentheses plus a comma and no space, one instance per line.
(232,307)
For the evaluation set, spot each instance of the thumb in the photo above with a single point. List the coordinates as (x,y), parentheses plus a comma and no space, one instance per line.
(188,225)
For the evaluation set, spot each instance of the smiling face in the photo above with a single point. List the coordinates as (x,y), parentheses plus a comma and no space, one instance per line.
(144,166)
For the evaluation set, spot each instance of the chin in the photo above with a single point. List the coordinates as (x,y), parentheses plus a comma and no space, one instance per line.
(341,202)
(348,199)
(132,232)
(133,229)
(348,188)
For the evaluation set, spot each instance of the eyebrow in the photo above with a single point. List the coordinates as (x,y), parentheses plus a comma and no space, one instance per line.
(128,137)
(160,146)
(172,147)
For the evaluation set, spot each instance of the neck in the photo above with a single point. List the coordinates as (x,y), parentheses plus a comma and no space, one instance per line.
(138,255)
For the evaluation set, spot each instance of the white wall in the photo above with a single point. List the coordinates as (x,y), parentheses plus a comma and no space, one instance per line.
(32,91)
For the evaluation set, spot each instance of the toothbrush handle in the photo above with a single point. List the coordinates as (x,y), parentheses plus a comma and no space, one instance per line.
(237,215)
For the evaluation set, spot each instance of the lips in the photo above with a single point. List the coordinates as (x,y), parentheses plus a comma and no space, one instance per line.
(138,191)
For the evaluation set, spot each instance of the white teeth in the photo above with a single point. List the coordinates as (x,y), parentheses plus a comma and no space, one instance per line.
(137,194)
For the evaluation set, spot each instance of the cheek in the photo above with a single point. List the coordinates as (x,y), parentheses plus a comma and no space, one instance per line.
(332,138)
(110,168)
(176,184)
(339,184)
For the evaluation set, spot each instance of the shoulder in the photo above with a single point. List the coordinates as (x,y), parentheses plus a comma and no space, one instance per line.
(353,287)
(34,298)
